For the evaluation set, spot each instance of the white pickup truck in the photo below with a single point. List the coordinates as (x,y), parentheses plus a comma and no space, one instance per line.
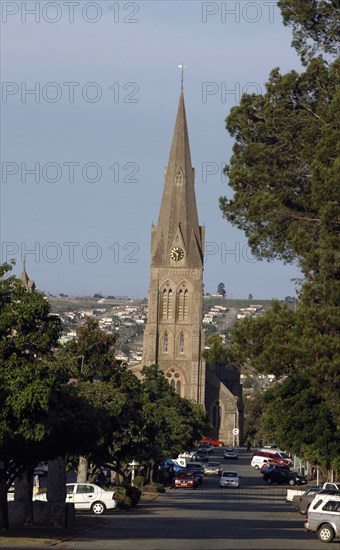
(327,485)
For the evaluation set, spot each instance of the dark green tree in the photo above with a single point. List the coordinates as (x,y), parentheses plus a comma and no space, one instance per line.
(298,415)
(221,290)
(28,335)
(215,354)
(171,423)
(315,24)
(91,355)
(284,173)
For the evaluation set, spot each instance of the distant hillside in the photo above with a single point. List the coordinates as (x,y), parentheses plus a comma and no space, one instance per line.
(210,301)
(62,304)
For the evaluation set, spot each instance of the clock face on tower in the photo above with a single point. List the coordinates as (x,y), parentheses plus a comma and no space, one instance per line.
(176,253)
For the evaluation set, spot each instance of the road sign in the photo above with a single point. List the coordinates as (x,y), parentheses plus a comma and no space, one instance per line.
(236,431)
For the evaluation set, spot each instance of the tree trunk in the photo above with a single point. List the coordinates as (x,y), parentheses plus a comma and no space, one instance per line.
(23,489)
(4,523)
(82,470)
(56,491)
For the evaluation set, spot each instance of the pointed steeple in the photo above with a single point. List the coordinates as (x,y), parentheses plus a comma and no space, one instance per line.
(26,281)
(178,219)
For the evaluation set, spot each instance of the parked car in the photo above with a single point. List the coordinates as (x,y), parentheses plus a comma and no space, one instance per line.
(87,496)
(169,465)
(230,479)
(274,466)
(41,470)
(201,455)
(303,502)
(324,518)
(212,468)
(213,441)
(283,476)
(230,453)
(185,479)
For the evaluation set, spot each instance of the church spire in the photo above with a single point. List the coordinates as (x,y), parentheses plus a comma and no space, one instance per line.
(178,219)
(26,281)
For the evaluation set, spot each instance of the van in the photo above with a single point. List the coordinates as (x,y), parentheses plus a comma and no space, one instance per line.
(258,461)
(274,455)
(323,517)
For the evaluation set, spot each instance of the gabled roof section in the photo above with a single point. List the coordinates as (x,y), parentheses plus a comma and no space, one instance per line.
(178,207)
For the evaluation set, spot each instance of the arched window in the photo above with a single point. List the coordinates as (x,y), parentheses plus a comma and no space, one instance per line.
(175,380)
(179,177)
(216,415)
(166,343)
(183,304)
(181,343)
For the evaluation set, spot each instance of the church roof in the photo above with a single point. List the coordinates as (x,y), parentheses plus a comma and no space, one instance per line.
(178,219)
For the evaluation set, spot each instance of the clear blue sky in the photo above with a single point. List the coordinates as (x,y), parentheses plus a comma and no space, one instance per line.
(98,128)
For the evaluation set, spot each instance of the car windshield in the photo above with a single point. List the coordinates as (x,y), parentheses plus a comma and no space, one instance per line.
(229,474)
(213,464)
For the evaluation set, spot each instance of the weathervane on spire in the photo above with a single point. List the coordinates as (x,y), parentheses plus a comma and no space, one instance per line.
(182,67)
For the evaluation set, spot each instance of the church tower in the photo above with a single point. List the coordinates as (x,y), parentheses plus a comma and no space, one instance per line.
(173,337)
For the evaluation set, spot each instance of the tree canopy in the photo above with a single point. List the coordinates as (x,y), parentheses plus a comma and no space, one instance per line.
(284,174)
(315,24)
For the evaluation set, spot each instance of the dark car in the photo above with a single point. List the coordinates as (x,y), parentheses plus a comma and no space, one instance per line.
(206,447)
(198,474)
(201,455)
(266,468)
(185,479)
(283,476)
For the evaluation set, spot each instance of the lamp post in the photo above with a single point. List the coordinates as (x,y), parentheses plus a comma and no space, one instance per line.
(134,467)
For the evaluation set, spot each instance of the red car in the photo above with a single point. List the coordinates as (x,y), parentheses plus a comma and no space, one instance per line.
(185,479)
(214,442)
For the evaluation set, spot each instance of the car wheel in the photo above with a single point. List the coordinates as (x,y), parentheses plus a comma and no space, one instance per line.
(291,482)
(98,508)
(256,467)
(220,445)
(326,533)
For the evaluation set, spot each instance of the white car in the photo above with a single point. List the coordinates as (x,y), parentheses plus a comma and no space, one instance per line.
(87,496)
(230,479)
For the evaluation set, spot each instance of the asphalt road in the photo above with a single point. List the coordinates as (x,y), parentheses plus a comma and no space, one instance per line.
(256,517)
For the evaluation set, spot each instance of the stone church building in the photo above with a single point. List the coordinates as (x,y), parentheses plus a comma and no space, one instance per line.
(173,337)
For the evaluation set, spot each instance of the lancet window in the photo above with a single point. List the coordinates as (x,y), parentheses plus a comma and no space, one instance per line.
(216,415)
(167,303)
(183,304)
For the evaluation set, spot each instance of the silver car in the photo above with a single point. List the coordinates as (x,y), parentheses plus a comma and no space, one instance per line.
(323,517)
(230,479)
(212,468)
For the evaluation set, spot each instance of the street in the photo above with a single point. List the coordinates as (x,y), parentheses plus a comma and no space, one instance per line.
(256,517)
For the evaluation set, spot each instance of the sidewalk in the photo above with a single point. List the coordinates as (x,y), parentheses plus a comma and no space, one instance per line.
(34,537)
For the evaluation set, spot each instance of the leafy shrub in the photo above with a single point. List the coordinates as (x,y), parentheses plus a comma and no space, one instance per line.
(126,496)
